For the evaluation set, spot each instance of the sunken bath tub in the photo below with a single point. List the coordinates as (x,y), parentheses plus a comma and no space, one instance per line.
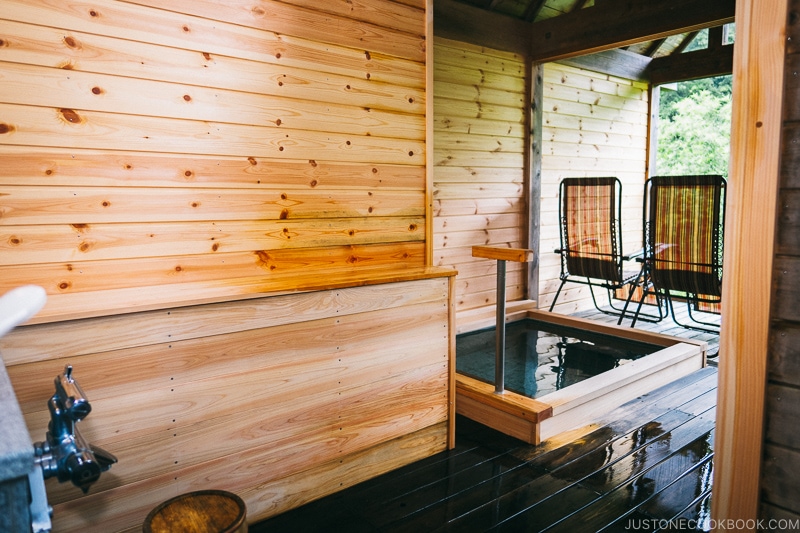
(570,399)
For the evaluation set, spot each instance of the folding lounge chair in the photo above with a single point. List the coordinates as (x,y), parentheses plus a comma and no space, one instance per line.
(683,234)
(591,240)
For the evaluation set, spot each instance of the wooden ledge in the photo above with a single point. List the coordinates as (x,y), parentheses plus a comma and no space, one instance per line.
(77,305)
(502,253)
(508,402)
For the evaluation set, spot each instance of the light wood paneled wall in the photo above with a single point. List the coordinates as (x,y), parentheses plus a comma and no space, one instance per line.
(226,204)
(479,183)
(150,143)
(280,399)
(594,125)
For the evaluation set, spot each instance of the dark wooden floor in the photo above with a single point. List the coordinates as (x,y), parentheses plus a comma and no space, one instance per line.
(648,463)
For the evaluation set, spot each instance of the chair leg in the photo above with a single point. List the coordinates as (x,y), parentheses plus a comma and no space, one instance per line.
(638,315)
(552,305)
(627,303)
(645,292)
(713,328)
(638,310)
(594,300)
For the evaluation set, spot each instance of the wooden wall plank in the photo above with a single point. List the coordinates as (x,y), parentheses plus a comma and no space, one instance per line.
(90,276)
(782,403)
(91,205)
(237,68)
(477,175)
(64,128)
(194,31)
(479,161)
(784,365)
(271,497)
(185,400)
(467,206)
(779,465)
(29,344)
(454,141)
(45,166)
(292,101)
(79,242)
(785,288)
(397,16)
(459,53)
(461,124)
(373,33)
(474,110)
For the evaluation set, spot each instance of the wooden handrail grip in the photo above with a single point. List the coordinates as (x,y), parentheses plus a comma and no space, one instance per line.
(519,255)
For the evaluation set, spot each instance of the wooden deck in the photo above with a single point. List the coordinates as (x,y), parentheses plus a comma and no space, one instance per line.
(647,467)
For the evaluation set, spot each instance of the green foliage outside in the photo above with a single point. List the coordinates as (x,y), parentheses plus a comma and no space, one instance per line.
(694,128)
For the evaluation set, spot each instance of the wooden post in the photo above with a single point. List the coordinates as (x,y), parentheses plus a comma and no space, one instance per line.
(501,254)
(758,82)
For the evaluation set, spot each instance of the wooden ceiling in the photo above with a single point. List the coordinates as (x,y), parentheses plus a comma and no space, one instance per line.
(637,39)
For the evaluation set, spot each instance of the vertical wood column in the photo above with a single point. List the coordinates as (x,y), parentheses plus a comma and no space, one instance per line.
(533,175)
(750,228)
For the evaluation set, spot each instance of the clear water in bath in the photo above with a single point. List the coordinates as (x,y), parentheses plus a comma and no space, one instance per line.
(542,357)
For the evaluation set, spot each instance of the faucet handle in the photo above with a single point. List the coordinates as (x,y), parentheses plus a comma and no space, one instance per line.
(72,396)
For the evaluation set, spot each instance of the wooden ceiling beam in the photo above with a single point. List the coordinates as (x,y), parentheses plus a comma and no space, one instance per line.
(695,65)
(619,63)
(654,46)
(686,41)
(615,23)
(470,24)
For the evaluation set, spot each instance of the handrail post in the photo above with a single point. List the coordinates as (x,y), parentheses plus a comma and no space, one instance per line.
(501,254)
(500,330)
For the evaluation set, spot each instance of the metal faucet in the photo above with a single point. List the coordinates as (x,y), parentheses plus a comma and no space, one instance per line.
(65,453)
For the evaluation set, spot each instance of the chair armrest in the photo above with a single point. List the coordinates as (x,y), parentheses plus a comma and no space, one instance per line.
(638,255)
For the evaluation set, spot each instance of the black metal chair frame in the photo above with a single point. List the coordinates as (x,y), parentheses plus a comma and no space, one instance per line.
(660,281)
(605,270)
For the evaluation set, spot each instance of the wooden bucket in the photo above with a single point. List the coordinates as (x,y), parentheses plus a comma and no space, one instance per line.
(203,511)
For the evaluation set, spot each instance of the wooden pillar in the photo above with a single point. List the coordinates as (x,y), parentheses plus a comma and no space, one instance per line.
(533,175)
(749,227)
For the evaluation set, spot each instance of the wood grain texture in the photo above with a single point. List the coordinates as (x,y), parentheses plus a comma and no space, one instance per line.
(180,395)
(750,218)
(44,166)
(153,126)
(234,67)
(478,185)
(62,279)
(519,255)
